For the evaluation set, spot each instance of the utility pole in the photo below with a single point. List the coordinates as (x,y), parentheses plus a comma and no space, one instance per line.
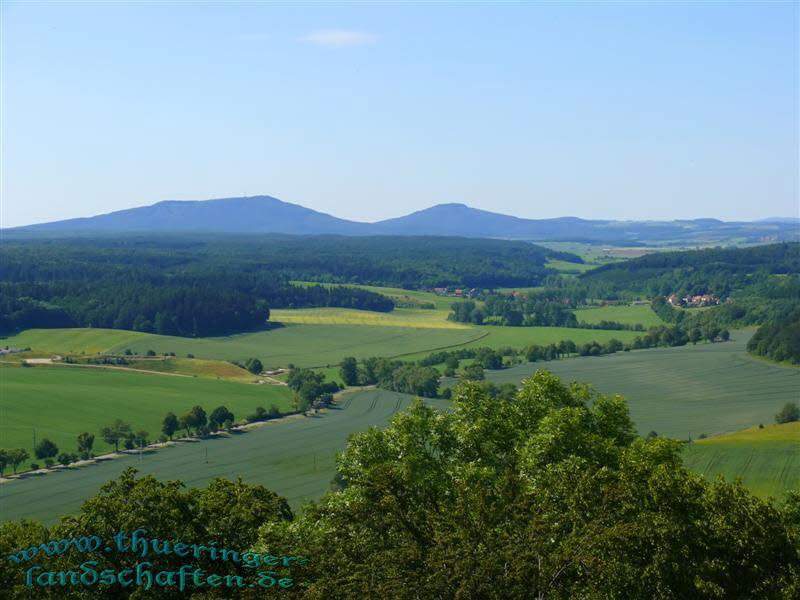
(206,449)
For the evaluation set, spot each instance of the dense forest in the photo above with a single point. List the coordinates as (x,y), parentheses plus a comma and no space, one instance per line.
(718,271)
(778,340)
(500,309)
(190,286)
(198,305)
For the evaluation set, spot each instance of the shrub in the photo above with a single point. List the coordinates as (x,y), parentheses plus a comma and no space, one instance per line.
(48,462)
(789,413)
(34,466)
(254,366)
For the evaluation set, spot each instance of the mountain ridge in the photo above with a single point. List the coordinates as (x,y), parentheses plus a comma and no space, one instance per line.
(268,215)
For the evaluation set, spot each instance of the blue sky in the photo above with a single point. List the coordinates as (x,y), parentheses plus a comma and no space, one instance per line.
(368,111)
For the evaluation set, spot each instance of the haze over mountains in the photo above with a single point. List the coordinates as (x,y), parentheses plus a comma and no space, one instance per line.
(265,214)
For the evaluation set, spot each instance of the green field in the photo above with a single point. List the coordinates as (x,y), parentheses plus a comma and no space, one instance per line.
(299,344)
(73,341)
(399,317)
(639,314)
(60,402)
(569,267)
(397,294)
(195,367)
(294,457)
(682,392)
(519,337)
(767,460)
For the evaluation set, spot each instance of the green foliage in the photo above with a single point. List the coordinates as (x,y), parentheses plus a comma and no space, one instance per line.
(45,449)
(349,371)
(216,286)
(85,442)
(254,366)
(14,457)
(66,458)
(195,419)
(170,425)
(789,413)
(408,378)
(718,271)
(577,507)
(473,372)
(219,416)
(115,433)
(778,340)
(308,386)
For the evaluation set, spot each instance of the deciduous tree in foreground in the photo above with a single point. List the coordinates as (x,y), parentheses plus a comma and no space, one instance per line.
(549,494)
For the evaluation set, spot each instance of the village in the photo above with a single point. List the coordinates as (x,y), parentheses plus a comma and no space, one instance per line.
(696,301)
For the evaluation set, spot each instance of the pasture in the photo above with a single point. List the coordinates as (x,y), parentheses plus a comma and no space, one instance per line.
(684,391)
(59,402)
(294,457)
(767,460)
(639,314)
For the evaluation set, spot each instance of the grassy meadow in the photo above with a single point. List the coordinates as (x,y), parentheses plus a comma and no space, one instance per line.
(767,460)
(294,457)
(60,402)
(639,314)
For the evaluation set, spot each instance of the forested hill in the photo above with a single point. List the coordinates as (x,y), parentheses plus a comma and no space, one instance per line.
(719,271)
(192,285)
(265,214)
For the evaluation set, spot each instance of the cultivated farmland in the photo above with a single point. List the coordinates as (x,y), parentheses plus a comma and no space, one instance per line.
(293,457)
(640,314)
(684,391)
(767,460)
(299,344)
(399,317)
(59,402)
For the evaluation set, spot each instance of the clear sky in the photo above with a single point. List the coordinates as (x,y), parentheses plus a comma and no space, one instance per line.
(367,111)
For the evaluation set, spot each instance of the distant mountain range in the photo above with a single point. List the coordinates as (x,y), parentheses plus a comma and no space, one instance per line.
(265,214)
